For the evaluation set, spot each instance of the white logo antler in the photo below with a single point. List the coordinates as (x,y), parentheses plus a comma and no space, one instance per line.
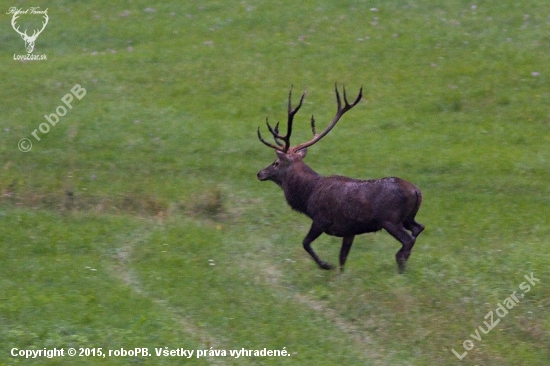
(29,40)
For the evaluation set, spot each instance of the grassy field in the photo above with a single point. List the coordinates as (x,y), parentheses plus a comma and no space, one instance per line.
(137,220)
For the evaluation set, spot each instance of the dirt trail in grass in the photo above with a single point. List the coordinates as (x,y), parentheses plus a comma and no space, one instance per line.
(123,271)
(268,274)
(272,276)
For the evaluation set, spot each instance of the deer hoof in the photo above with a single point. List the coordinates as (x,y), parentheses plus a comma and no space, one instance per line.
(325,265)
(401,267)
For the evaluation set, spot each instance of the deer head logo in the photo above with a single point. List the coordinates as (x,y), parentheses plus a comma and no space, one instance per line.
(29,40)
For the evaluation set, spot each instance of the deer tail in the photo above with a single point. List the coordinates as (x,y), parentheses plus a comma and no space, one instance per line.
(418,200)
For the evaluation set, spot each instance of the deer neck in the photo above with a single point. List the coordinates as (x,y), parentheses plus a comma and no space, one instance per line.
(299,185)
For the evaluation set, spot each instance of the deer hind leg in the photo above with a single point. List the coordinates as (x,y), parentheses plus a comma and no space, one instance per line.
(344,251)
(407,241)
(414,227)
(410,223)
(314,232)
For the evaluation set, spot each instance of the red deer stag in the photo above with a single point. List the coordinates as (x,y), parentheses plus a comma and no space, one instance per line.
(341,206)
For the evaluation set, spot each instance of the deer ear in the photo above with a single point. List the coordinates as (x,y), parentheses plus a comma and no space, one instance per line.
(302,153)
(282,156)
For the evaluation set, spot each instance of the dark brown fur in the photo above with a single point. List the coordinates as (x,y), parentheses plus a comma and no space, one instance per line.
(345,207)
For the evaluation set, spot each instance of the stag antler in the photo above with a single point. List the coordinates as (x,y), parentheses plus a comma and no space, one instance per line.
(285,146)
(316,137)
(339,113)
(29,40)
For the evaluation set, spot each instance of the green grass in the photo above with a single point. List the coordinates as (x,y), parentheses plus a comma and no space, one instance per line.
(137,220)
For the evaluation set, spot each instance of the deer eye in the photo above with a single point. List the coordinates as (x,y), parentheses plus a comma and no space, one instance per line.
(276,164)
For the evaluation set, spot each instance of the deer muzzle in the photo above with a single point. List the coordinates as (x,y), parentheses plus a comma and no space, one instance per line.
(262,175)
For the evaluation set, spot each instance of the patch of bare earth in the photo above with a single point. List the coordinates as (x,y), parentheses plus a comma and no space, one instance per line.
(271,275)
(123,271)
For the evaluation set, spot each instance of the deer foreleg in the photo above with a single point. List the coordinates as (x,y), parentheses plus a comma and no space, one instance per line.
(314,232)
(344,251)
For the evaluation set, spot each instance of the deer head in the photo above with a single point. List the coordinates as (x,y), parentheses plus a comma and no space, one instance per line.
(29,40)
(288,156)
